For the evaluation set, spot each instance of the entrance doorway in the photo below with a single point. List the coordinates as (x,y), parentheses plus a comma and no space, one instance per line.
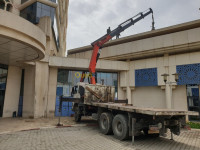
(193,100)
(3,76)
(2,94)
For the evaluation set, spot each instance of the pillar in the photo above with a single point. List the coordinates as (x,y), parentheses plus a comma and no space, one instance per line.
(15,9)
(13,85)
(168,96)
(41,89)
(128,94)
(29,92)
(53,72)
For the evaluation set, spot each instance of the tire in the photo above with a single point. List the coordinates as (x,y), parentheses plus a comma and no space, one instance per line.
(120,127)
(77,116)
(105,123)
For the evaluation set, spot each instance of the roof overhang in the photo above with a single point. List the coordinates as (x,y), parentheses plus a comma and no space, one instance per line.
(141,36)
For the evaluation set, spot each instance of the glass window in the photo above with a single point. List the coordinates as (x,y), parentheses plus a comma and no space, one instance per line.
(3,77)
(37,10)
(39,5)
(29,13)
(67,79)
(2,4)
(45,13)
(55,33)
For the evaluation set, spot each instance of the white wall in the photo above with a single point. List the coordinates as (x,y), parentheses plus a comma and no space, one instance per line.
(148,97)
(179,98)
(165,64)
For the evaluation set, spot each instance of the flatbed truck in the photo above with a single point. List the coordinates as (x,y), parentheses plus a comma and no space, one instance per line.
(119,117)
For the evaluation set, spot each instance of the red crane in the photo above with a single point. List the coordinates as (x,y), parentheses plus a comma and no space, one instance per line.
(98,44)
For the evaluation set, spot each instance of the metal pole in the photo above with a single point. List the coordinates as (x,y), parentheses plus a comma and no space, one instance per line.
(133,130)
(59,118)
(60,108)
(172,136)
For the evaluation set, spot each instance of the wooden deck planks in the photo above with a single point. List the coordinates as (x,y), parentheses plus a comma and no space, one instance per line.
(147,111)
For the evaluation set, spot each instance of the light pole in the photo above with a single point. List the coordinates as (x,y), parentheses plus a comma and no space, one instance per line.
(168,89)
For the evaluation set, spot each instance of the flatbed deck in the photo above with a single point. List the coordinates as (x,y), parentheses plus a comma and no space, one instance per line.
(113,117)
(147,111)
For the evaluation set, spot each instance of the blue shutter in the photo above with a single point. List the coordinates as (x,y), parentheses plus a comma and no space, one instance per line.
(188,74)
(146,77)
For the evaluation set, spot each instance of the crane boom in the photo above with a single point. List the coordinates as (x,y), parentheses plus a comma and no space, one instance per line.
(98,44)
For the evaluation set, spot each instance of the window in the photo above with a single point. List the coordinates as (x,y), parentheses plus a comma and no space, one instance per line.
(34,12)
(2,5)
(3,77)
(67,79)
(23,1)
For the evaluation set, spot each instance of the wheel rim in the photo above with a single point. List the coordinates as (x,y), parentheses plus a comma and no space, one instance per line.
(104,123)
(119,127)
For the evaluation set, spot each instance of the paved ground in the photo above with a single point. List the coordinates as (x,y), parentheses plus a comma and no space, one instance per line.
(17,124)
(89,138)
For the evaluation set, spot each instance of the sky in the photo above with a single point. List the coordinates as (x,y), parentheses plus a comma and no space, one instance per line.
(88,20)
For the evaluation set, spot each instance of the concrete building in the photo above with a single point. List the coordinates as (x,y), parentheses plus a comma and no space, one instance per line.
(146,57)
(34,71)
(30,32)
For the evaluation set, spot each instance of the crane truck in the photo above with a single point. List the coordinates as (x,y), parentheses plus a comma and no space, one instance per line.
(117,116)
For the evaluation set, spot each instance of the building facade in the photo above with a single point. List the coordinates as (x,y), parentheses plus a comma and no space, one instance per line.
(34,70)
(149,56)
(30,32)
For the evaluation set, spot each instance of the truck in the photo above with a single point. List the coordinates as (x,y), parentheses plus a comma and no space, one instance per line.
(117,116)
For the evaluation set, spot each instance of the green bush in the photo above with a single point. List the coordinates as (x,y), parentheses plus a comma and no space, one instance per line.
(194,125)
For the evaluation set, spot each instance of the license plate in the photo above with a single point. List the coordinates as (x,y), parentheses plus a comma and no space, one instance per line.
(153,128)
(153,131)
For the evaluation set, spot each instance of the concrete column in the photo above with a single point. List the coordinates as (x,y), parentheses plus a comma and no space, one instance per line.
(41,89)
(13,85)
(29,92)
(168,96)
(15,9)
(128,89)
(128,94)
(53,72)
(121,93)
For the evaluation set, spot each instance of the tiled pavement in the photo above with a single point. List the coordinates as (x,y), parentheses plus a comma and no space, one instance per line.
(89,138)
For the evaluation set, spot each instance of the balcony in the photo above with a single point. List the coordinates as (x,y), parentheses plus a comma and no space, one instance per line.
(20,40)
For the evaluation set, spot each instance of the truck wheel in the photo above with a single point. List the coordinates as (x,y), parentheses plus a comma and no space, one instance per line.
(105,123)
(77,116)
(120,127)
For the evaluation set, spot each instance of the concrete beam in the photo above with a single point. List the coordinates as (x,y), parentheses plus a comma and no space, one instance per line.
(83,64)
